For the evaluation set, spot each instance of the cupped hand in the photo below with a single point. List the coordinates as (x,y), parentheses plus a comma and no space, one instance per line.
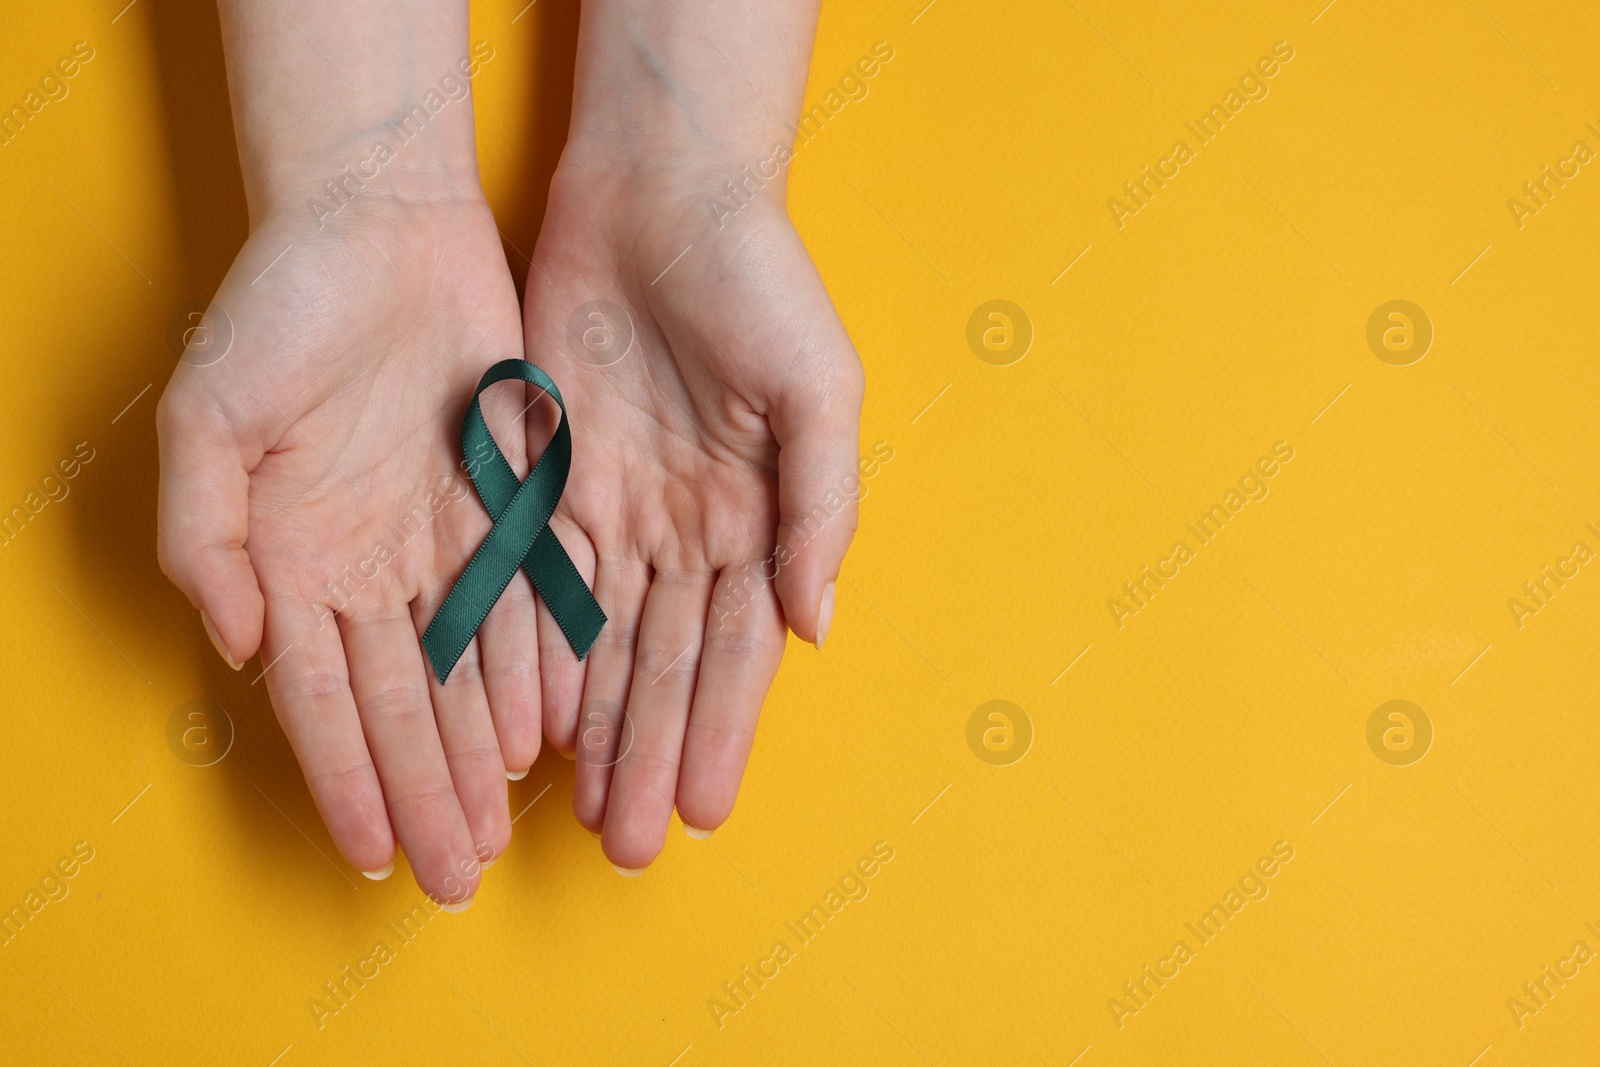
(312,508)
(715,401)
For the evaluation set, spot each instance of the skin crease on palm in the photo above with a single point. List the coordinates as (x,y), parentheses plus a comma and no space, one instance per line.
(336,413)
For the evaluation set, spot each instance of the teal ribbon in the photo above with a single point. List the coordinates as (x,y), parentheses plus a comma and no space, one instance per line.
(521,535)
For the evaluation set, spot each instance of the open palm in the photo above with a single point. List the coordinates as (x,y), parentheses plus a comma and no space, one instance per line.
(312,507)
(715,400)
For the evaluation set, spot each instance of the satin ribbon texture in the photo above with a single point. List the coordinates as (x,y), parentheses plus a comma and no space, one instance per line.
(521,536)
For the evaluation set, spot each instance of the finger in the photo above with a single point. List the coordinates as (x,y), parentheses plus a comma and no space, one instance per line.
(203,519)
(644,781)
(602,737)
(387,677)
(562,673)
(509,642)
(310,690)
(817,423)
(743,645)
(471,749)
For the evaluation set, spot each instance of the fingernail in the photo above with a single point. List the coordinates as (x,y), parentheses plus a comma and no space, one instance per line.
(486,864)
(458,907)
(626,873)
(517,776)
(381,873)
(569,755)
(696,833)
(594,835)
(216,642)
(825,614)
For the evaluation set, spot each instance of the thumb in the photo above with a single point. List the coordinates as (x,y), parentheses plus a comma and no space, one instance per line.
(817,424)
(203,517)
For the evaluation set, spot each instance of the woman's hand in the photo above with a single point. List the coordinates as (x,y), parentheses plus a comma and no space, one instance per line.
(312,507)
(715,399)
(311,504)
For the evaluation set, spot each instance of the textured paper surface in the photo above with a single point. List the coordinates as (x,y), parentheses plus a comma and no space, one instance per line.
(1169,749)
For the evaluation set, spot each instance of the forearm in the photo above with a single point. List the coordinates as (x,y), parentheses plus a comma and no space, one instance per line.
(688,82)
(334,99)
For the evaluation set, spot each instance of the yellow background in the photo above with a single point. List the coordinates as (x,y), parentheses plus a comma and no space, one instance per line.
(1227,715)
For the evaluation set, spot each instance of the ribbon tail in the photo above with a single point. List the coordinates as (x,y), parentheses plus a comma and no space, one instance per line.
(564,592)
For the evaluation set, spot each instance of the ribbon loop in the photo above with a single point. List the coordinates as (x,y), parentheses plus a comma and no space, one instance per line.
(521,535)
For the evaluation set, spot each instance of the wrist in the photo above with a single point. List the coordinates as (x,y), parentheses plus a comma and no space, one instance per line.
(378,105)
(687,84)
(353,177)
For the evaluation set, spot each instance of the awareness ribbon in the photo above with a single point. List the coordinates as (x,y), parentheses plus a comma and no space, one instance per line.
(521,535)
